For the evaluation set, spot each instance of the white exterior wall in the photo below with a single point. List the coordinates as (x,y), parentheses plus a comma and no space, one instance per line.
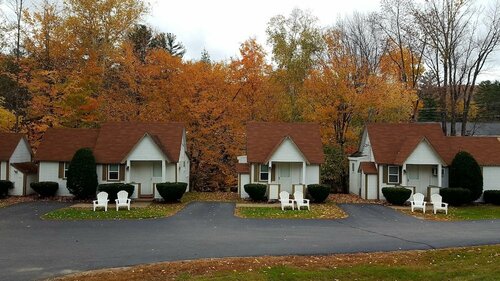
(183,165)
(354,175)
(49,171)
(372,186)
(3,170)
(22,153)
(242,180)
(287,152)
(17,178)
(491,178)
(146,150)
(424,154)
(312,174)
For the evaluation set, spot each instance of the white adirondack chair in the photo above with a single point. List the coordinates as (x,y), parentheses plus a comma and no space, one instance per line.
(438,204)
(418,202)
(102,201)
(123,200)
(285,200)
(298,197)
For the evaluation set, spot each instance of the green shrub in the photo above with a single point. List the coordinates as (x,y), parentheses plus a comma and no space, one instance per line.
(492,196)
(455,196)
(112,189)
(466,173)
(4,187)
(396,195)
(318,192)
(256,191)
(171,191)
(45,188)
(82,176)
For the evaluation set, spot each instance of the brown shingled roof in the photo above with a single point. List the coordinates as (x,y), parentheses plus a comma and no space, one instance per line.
(8,143)
(394,143)
(486,150)
(60,144)
(26,168)
(112,142)
(368,168)
(242,168)
(264,137)
(116,139)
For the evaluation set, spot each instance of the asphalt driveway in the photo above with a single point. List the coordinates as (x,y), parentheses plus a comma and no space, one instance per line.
(34,249)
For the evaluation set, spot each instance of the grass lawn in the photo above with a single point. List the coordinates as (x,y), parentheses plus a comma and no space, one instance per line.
(318,211)
(155,210)
(472,263)
(476,212)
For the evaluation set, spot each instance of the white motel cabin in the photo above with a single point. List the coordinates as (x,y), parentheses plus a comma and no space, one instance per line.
(284,156)
(139,153)
(15,163)
(416,156)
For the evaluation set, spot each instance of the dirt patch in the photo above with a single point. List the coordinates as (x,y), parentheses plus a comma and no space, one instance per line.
(351,199)
(11,200)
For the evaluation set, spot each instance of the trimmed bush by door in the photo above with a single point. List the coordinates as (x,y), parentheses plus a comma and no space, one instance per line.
(465,172)
(492,197)
(318,192)
(45,188)
(4,187)
(256,191)
(396,195)
(82,176)
(455,196)
(113,188)
(171,191)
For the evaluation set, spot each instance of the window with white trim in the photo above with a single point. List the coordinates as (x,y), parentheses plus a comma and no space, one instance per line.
(66,168)
(263,173)
(393,176)
(113,172)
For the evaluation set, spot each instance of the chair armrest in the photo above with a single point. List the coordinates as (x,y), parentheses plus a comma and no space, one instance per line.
(94,201)
(129,200)
(425,203)
(116,200)
(306,200)
(445,204)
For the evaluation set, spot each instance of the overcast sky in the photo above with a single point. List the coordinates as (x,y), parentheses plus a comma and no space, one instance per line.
(220,26)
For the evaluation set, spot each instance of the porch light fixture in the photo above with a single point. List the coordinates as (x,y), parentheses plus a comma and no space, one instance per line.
(128,168)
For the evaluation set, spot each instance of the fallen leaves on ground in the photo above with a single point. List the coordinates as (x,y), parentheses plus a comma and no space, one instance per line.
(208,267)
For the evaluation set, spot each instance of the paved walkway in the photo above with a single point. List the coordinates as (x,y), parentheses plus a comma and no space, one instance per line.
(36,249)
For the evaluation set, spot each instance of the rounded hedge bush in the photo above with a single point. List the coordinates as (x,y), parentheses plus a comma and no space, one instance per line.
(45,188)
(396,195)
(455,196)
(466,173)
(492,196)
(256,191)
(113,188)
(318,192)
(4,187)
(171,191)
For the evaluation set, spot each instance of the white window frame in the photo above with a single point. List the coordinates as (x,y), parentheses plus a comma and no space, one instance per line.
(389,174)
(117,172)
(262,172)
(65,170)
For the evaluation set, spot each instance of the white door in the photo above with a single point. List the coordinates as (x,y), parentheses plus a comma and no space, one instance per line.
(142,172)
(285,177)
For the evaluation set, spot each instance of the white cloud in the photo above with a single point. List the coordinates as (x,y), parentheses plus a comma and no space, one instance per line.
(221,26)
